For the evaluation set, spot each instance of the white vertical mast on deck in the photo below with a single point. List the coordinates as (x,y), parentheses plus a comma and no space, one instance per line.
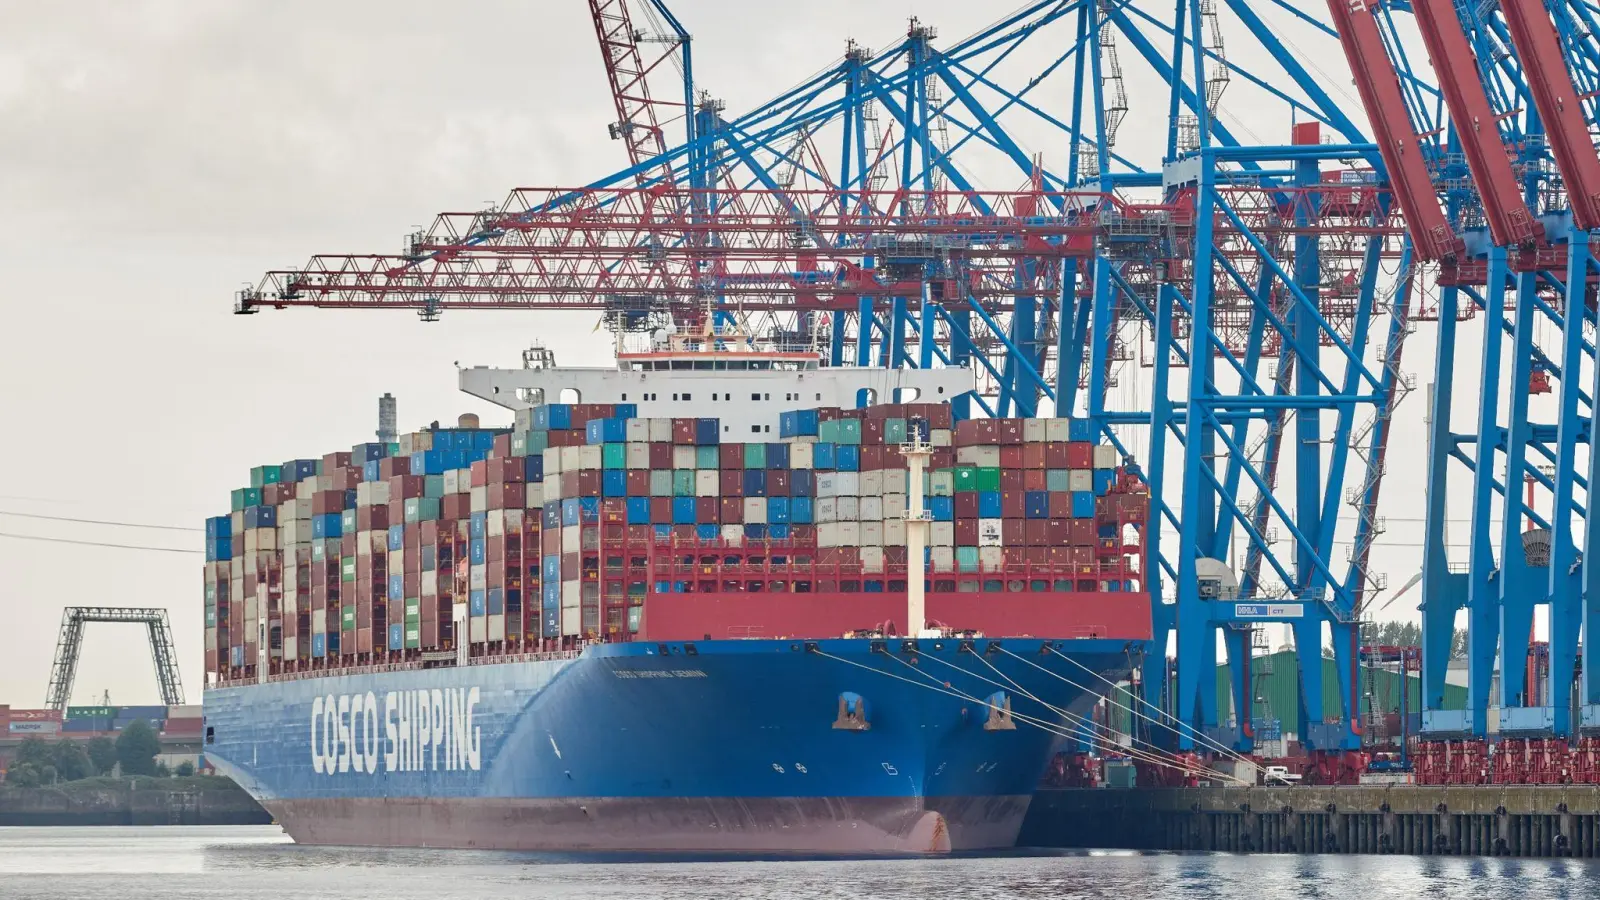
(917,451)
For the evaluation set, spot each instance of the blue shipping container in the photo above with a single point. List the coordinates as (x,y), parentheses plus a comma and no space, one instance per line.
(475,602)
(801,510)
(1083,504)
(822,455)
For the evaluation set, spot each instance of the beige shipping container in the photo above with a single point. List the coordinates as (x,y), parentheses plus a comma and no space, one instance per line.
(571,619)
(535,495)
(552,461)
(291,647)
(895,481)
(661,431)
(479,499)
(638,431)
(894,506)
(801,456)
(849,484)
(1033,431)
(497,627)
(849,509)
(638,455)
(942,559)
(870,484)
(871,559)
(1057,430)
(478,578)
(991,559)
(571,459)
(430,584)
(1080,480)
(733,535)
(755,510)
(683,457)
(826,510)
(1105,456)
(827,485)
(872,534)
(941,437)
(571,594)
(571,536)
(590,457)
(894,532)
(452,480)
(942,534)
(870,509)
(707,483)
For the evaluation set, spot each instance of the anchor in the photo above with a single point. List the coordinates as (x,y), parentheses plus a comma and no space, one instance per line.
(852,713)
(999,719)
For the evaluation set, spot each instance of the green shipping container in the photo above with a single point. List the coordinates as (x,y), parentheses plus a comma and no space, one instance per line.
(614,456)
(261,476)
(683,482)
(413,636)
(428,509)
(828,431)
(347,522)
(211,617)
(433,486)
(849,431)
(707,457)
(243,497)
(755,456)
(967,559)
(661,483)
(894,431)
(347,569)
(635,616)
(348,618)
(413,609)
(538,442)
(966,478)
(91,712)
(988,479)
(1057,480)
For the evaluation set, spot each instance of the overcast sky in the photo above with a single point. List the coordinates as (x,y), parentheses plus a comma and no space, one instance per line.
(156,155)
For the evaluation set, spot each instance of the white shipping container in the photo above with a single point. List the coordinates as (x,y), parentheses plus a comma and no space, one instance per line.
(941,484)
(660,431)
(894,532)
(552,461)
(733,535)
(211,639)
(707,483)
(989,532)
(827,485)
(871,509)
(941,437)
(571,619)
(452,480)
(494,525)
(991,559)
(571,594)
(319,624)
(872,534)
(849,484)
(1080,480)
(1033,431)
(895,481)
(801,456)
(476,626)
(478,500)
(478,578)
(683,457)
(1057,430)
(34,726)
(497,627)
(250,607)
(825,510)
(942,559)
(430,584)
(894,506)
(1105,456)
(380,493)
(522,419)
(871,483)
(571,536)
(849,508)
(291,648)
(295,531)
(571,458)
(755,510)
(872,559)
(638,455)
(638,431)
(298,508)
(535,498)
(237,519)
(591,457)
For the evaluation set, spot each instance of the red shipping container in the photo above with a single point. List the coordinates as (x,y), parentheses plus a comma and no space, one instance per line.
(1060,504)
(1055,455)
(364,640)
(569,484)
(1011,457)
(894,459)
(886,411)
(1082,533)
(343,479)
(510,495)
(1032,456)
(966,505)
(943,458)
(872,432)
(1014,532)
(428,531)
(1015,557)
(326,502)
(479,472)
(730,456)
(1058,532)
(1083,558)
(1080,455)
(551,542)
(589,483)
(684,534)
(683,432)
(640,534)
(638,483)
(1013,504)
(706,510)
(827,413)
(1038,532)
(777,482)
(337,460)
(660,456)
(413,583)
(507,470)
(1011,479)
(390,466)
(731,482)
(397,511)
(502,445)
(1008,431)
(966,532)
(405,487)
(661,510)
(1032,479)
(613,511)
(872,457)
(455,507)
(732,510)
(803,535)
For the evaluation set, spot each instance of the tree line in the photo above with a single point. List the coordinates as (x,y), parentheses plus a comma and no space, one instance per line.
(43,762)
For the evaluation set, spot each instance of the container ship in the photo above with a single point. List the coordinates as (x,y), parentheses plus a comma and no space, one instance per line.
(726,599)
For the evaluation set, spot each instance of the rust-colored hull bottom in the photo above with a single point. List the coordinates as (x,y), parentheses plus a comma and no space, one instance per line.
(822,825)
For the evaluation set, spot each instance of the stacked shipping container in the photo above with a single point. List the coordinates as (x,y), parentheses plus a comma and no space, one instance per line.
(557,532)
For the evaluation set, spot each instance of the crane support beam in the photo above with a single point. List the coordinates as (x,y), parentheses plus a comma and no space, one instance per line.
(1397,138)
(1544,67)
(1510,222)
(69,646)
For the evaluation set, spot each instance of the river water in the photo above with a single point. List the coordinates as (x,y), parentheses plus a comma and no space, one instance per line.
(251,863)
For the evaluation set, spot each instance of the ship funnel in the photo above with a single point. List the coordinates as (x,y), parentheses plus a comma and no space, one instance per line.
(467,420)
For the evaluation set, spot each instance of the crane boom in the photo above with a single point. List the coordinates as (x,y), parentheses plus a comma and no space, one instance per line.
(638,123)
(1538,47)
(1511,224)
(1398,142)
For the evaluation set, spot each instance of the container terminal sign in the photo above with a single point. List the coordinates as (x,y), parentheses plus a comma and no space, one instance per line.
(1269,610)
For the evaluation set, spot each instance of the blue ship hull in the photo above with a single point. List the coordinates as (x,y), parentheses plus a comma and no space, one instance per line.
(716,746)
